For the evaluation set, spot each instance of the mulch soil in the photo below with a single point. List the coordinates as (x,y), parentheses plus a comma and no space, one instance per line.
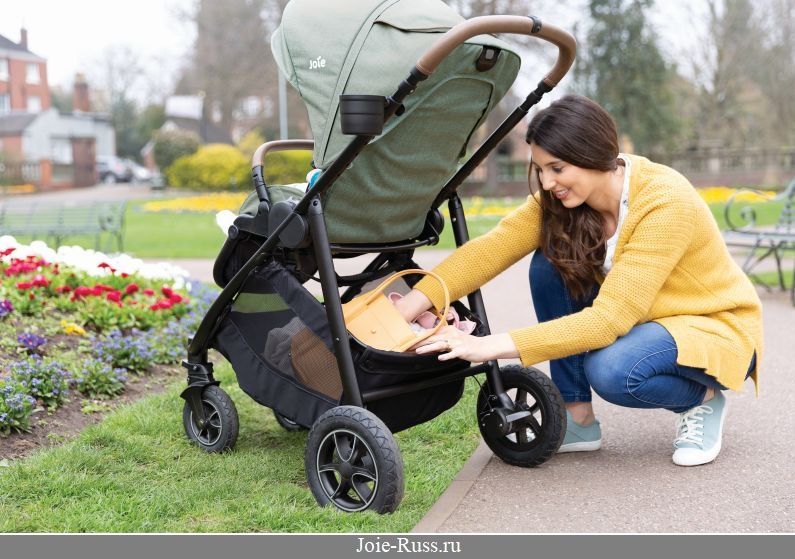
(65,423)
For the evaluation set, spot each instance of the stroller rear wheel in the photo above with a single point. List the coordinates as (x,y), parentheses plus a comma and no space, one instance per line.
(534,439)
(287,424)
(353,462)
(219,433)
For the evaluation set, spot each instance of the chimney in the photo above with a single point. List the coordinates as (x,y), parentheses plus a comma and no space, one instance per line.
(80,100)
(23,38)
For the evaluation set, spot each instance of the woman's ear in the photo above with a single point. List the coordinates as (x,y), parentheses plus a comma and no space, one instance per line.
(533,181)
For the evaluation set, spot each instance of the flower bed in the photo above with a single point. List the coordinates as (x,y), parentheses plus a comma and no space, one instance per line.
(77,326)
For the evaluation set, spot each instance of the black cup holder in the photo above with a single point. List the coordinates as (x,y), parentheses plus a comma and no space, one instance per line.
(362,115)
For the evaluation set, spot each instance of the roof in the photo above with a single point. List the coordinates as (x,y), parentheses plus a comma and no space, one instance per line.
(7,47)
(14,124)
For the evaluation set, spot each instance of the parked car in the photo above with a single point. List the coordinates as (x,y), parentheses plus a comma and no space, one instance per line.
(111,169)
(140,173)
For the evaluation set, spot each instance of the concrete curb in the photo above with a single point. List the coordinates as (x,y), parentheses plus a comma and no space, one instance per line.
(455,493)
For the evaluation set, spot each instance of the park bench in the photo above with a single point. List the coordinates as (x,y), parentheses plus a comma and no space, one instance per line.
(56,222)
(763,241)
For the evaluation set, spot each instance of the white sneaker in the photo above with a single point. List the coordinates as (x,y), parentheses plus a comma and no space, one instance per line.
(699,432)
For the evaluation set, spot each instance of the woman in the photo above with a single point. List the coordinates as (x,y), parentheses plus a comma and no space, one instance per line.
(636,294)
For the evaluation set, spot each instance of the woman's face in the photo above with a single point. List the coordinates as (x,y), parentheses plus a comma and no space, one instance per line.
(568,183)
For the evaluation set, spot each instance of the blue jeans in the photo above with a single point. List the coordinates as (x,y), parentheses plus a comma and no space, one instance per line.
(638,370)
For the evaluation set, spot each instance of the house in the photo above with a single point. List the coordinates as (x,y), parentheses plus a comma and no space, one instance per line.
(39,145)
(189,113)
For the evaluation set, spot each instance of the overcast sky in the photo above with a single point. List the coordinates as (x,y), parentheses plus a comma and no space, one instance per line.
(72,34)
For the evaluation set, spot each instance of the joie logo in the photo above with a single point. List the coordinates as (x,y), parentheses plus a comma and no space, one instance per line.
(318,62)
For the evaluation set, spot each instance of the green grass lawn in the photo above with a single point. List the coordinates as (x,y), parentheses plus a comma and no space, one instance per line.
(195,235)
(136,472)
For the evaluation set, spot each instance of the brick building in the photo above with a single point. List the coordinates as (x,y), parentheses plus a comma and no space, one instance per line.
(40,146)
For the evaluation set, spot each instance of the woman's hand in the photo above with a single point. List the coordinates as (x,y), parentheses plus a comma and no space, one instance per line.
(412,305)
(455,344)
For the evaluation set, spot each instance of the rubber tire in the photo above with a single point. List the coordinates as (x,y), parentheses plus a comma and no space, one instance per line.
(553,424)
(388,460)
(286,424)
(230,424)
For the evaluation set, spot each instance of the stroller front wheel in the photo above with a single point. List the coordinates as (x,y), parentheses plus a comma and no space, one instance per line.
(219,433)
(353,462)
(536,438)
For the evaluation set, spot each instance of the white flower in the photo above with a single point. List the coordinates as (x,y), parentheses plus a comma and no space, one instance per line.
(88,261)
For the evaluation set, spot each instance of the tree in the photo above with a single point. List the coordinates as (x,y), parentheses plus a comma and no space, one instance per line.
(622,68)
(231,58)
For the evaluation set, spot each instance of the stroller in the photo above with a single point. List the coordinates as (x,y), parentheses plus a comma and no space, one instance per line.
(387,159)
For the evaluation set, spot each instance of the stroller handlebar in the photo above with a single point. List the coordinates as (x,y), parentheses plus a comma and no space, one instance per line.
(485,25)
(280,145)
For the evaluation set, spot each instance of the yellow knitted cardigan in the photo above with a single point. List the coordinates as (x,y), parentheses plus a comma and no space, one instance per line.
(671,266)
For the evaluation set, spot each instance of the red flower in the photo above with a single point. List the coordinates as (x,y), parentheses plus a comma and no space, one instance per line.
(31,296)
(108,266)
(80,292)
(162,304)
(97,290)
(24,285)
(125,275)
(148,291)
(131,288)
(175,298)
(63,289)
(114,296)
(7,251)
(40,281)
(167,291)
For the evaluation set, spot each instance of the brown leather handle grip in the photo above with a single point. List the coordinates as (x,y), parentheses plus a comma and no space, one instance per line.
(280,145)
(483,25)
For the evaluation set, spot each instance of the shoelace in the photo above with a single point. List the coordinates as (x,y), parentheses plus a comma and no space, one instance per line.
(690,426)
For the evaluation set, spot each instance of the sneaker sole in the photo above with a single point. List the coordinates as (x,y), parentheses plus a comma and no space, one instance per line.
(585,446)
(699,458)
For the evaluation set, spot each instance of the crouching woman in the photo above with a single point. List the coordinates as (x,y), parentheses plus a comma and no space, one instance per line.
(636,294)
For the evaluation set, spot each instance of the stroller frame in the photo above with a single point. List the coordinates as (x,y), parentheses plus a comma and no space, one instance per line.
(308,212)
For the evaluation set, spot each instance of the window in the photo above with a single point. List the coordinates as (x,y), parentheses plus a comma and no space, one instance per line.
(4,69)
(34,104)
(61,150)
(33,75)
(5,104)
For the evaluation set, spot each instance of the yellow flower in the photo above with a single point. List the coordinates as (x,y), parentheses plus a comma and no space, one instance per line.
(721,195)
(72,329)
(212,203)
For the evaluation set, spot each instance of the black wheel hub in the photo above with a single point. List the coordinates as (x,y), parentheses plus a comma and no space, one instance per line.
(346,469)
(208,433)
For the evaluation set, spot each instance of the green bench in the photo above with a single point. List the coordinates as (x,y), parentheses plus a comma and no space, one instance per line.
(763,241)
(56,222)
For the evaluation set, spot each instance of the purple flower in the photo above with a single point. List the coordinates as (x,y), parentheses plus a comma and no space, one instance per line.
(31,341)
(6,308)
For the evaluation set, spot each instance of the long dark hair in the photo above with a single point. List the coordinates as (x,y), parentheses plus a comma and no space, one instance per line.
(581,133)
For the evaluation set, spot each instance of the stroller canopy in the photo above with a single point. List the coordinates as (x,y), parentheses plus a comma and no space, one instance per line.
(329,47)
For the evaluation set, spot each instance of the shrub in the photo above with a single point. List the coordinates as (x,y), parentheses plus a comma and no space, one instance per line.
(130,352)
(249,143)
(46,380)
(170,145)
(16,405)
(213,167)
(99,380)
(287,167)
